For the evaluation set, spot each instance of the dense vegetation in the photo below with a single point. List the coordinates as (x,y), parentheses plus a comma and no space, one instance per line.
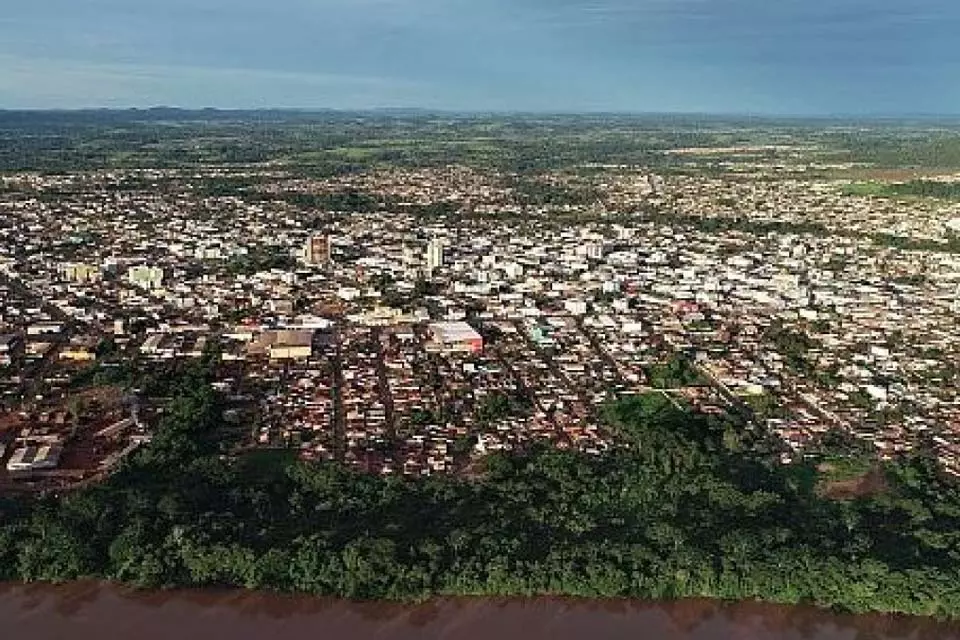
(940,189)
(928,145)
(263,259)
(950,245)
(676,372)
(692,507)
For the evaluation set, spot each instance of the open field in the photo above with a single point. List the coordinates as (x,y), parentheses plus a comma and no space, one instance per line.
(868,484)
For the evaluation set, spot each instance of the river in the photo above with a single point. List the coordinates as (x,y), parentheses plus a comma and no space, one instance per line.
(89,611)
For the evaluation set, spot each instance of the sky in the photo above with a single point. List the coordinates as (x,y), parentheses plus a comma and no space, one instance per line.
(790,57)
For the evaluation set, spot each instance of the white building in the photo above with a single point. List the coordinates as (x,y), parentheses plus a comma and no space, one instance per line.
(435,250)
(146,277)
(575,307)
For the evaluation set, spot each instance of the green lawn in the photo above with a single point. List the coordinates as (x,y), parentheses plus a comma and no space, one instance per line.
(875,189)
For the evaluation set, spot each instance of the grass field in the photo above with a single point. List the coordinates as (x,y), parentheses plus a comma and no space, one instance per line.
(849,477)
(841,468)
(868,189)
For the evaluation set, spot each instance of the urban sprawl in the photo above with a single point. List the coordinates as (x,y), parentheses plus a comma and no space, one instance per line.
(447,317)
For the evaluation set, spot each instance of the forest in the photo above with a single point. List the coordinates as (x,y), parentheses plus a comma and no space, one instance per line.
(689,506)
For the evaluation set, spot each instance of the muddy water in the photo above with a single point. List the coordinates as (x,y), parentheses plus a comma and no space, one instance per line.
(99,612)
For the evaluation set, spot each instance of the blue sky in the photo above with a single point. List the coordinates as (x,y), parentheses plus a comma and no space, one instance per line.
(723,56)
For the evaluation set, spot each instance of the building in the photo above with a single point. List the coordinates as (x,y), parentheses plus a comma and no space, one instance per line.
(146,277)
(456,337)
(318,250)
(153,346)
(81,349)
(44,328)
(435,251)
(575,307)
(595,251)
(35,458)
(284,307)
(513,270)
(78,272)
(287,344)
(592,250)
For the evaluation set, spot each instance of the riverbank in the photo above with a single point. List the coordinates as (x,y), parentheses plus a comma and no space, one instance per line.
(89,610)
(693,508)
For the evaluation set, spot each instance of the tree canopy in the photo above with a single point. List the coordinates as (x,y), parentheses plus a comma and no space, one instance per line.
(689,506)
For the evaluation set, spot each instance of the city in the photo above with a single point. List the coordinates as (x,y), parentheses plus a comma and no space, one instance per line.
(453,320)
(410,321)
(407,357)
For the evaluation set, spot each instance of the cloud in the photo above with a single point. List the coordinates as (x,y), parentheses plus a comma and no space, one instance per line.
(747,55)
(27,82)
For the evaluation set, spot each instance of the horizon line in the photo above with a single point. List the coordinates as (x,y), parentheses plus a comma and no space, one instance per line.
(486,112)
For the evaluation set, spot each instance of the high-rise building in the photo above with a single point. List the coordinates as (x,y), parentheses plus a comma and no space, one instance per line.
(146,277)
(78,272)
(434,254)
(318,250)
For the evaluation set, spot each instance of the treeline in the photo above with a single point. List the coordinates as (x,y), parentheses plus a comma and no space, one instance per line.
(529,191)
(898,149)
(678,371)
(950,245)
(692,507)
(261,259)
(913,188)
(927,189)
(349,200)
(720,224)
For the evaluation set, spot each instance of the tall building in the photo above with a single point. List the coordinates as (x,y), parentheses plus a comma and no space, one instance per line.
(317,250)
(78,272)
(146,277)
(592,250)
(434,254)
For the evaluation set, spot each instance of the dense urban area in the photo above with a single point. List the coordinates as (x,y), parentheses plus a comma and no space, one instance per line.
(398,355)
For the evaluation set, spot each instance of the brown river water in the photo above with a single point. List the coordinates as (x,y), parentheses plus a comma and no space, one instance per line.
(89,611)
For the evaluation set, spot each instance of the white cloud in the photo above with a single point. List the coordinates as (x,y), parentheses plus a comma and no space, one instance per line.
(29,82)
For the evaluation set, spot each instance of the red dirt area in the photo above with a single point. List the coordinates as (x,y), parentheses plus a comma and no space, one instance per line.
(86,451)
(869,484)
(83,450)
